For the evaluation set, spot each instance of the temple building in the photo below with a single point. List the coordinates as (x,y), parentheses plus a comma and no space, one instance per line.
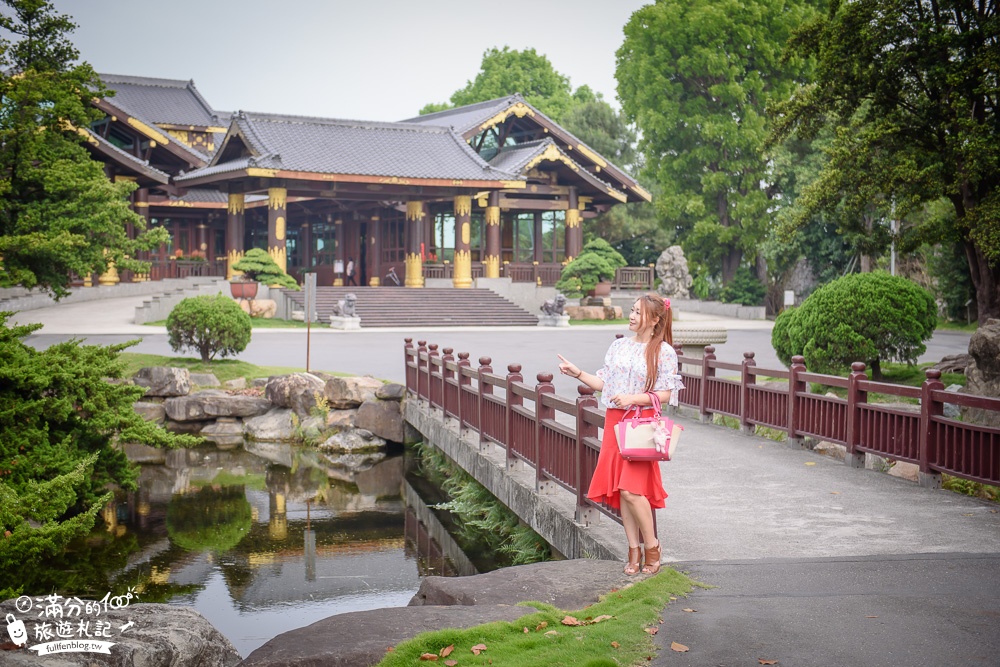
(494,189)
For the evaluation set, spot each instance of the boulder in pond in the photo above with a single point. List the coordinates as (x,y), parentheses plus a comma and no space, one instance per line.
(383,418)
(163,380)
(277,425)
(391,392)
(214,403)
(225,432)
(299,391)
(151,412)
(205,380)
(350,392)
(161,636)
(352,440)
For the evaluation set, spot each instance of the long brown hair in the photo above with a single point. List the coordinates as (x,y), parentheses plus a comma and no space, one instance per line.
(654,307)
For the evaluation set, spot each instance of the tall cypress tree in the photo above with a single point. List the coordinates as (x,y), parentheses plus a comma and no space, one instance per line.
(59,213)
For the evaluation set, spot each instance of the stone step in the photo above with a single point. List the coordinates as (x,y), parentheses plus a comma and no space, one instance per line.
(393,307)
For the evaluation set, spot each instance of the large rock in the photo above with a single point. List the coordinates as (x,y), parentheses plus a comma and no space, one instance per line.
(160,636)
(672,269)
(361,638)
(262,308)
(383,418)
(566,584)
(299,391)
(278,425)
(350,392)
(341,418)
(351,441)
(983,375)
(225,432)
(164,381)
(391,392)
(151,412)
(214,403)
(205,380)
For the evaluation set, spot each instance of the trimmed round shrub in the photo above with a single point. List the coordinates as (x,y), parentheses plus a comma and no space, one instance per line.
(212,325)
(869,317)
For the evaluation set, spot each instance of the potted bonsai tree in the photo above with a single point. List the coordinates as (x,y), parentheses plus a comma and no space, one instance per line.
(592,271)
(258,267)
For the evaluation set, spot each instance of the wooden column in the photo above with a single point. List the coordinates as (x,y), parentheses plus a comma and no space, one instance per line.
(414,235)
(491,260)
(305,238)
(463,234)
(537,238)
(338,250)
(235,225)
(375,251)
(574,232)
(203,238)
(140,204)
(277,219)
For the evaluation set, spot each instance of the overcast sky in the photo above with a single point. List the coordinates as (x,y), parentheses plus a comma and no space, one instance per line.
(359,59)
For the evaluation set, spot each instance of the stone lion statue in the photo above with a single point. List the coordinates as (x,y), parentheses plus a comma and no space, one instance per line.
(346,306)
(672,269)
(554,306)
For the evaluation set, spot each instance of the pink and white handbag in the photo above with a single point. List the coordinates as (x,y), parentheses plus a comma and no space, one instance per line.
(647,438)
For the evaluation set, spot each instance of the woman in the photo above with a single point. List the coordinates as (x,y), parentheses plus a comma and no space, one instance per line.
(633,366)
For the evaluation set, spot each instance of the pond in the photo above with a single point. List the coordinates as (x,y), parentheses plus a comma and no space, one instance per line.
(262,540)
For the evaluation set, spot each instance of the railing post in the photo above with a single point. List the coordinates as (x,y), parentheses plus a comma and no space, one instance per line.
(542,444)
(432,352)
(929,408)
(482,389)
(795,385)
(510,401)
(445,376)
(854,458)
(422,382)
(707,372)
(585,513)
(407,352)
(746,379)
(463,382)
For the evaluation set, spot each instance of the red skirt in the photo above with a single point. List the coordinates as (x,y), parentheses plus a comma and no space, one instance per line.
(614,474)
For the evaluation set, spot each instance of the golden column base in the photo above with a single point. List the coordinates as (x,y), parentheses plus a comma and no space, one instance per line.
(463,269)
(374,282)
(109,277)
(232,258)
(414,271)
(491,267)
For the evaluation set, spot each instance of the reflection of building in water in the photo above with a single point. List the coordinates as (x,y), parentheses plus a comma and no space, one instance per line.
(428,540)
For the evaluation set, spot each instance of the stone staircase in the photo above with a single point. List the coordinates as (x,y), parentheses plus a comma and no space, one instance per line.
(425,307)
(172,292)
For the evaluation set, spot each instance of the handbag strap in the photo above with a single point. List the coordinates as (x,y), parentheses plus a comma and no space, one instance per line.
(654,402)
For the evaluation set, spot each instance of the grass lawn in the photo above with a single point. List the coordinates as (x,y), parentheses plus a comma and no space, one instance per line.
(616,631)
(257,323)
(956,326)
(224,369)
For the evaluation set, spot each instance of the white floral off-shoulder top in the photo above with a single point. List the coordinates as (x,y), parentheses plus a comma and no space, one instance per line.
(624,370)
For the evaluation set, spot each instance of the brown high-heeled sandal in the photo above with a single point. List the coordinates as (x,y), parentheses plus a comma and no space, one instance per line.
(652,565)
(634,554)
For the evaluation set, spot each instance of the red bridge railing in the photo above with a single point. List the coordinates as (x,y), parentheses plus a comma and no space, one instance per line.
(524,419)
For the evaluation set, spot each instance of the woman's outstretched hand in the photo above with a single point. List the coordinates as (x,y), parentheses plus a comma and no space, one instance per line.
(568,368)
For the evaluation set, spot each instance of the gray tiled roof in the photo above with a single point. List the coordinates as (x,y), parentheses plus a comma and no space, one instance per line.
(204,195)
(168,101)
(462,119)
(140,166)
(515,158)
(329,146)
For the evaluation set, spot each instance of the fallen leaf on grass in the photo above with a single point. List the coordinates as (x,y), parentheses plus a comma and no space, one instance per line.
(767,662)
(615,645)
(478,648)
(680,648)
(569,620)
(692,611)
(526,629)
(446,651)
(652,631)
(552,633)
(602,617)
(451,663)
(541,626)
(428,656)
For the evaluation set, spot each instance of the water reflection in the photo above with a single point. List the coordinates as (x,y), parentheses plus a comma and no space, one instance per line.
(261,541)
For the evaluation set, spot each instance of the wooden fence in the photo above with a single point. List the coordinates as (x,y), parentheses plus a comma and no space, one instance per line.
(564,451)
